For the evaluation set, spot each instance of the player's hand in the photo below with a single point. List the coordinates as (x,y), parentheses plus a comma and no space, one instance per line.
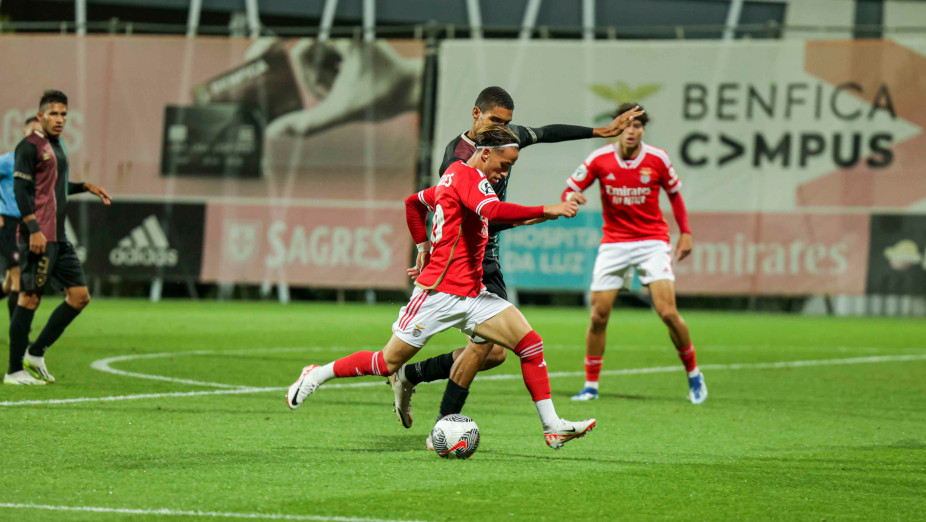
(578,197)
(420,262)
(37,243)
(619,124)
(99,192)
(683,247)
(565,209)
(1,221)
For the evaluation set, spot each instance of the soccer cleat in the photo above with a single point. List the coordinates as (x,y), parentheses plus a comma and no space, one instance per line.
(36,366)
(567,431)
(697,389)
(587,394)
(22,377)
(300,390)
(403,391)
(428,443)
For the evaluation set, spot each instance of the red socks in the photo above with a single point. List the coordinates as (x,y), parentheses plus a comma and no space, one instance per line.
(687,355)
(533,367)
(592,367)
(361,363)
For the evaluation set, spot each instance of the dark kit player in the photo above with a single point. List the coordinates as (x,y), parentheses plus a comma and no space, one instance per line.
(42,188)
(493,106)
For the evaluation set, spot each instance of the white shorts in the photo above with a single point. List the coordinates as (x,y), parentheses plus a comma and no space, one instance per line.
(616,262)
(430,312)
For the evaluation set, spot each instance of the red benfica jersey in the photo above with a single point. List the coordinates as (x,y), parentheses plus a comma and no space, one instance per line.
(458,232)
(629,191)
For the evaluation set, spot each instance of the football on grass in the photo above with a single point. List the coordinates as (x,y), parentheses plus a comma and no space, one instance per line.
(455,437)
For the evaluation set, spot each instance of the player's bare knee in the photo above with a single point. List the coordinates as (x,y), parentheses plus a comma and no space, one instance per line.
(495,358)
(600,320)
(669,315)
(79,300)
(29,300)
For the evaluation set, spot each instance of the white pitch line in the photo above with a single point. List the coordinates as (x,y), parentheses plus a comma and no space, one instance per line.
(103,365)
(196,513)
(505,377)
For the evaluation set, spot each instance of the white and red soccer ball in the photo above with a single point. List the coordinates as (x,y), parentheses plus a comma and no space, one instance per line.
(455,437)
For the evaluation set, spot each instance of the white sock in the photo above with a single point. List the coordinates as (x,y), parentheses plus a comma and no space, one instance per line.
(547,412)
(694,373)
(592,384)
(324,373)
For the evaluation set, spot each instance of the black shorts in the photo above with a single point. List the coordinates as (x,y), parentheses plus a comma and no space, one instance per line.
(492,277)
(9,251)
(59,266)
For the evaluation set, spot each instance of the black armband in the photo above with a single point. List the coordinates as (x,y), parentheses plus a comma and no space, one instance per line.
(33,226)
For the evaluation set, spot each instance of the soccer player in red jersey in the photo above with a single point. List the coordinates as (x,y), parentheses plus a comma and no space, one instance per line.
(636,239)
(449,291)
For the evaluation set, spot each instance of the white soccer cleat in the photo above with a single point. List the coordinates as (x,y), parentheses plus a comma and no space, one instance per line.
(403,391)
(697,389)
(36,366)
(566,431)
(428,443)
(300,390)
(23,378)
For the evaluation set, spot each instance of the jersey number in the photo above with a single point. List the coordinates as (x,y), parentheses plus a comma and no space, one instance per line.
(437,225)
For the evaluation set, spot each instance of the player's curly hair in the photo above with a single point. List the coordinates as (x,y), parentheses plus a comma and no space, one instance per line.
(495,135)
(644,119)
(52,96)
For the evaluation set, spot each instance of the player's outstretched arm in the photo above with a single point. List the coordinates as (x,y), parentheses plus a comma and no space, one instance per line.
(559,132)
(567,209)
(96,190)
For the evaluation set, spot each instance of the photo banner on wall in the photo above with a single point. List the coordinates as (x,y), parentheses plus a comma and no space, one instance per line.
(800,132)
(228,122)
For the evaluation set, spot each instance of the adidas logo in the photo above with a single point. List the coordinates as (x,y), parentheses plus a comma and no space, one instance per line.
(610,177)
(146,245)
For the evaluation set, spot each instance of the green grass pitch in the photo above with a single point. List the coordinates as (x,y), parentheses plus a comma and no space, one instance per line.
(841,437)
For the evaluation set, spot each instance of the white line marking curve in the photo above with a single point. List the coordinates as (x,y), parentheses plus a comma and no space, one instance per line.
(196,513)
(501,377)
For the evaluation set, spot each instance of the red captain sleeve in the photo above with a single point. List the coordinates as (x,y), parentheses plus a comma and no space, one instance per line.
(680,212)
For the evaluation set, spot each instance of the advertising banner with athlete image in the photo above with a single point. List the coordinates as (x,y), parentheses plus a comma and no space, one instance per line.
(227,121)
(138,240)
(785,149)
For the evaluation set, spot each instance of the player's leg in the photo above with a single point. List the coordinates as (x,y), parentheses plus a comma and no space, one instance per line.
(655,271)
(510,329)
(409,335)
(8,238)
(68,273)
(13,275)
(595,341)
(34,278)
(612,267)
(486,355)
(396,353)
(663,294)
